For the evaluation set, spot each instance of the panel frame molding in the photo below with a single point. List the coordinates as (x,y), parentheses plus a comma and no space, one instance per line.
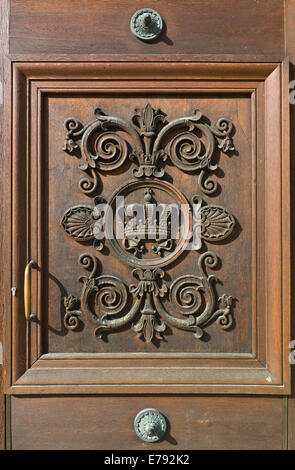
(266,370)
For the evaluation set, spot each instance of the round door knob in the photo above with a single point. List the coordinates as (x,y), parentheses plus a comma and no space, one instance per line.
(150,425)
(146,24)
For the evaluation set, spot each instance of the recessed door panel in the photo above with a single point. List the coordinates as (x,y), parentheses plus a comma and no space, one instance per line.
(148,225)
(121,298)
(227,225)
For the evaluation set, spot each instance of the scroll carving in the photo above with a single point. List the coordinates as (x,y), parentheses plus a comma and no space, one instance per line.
(107,141)
(191,302)
(72,315)
(150,304)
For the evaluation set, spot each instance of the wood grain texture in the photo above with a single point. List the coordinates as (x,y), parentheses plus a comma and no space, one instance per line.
(4,222)
(191,27)
(50,102)
(194,422)
(290,51)
(227,30)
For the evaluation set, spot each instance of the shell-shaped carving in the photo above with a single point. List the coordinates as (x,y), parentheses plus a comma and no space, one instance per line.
(217,223)
(78,222)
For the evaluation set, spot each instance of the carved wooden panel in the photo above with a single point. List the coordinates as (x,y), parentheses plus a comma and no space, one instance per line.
(150,310)
(104,145)
(151,187)
(197,327)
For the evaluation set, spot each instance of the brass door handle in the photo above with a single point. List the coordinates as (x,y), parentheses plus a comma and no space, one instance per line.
(27,288)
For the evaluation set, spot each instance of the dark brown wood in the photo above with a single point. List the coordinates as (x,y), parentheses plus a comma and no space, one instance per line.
(290,51)
(214,27)
(5,280)
(45,100)
(64,64)
(107,422)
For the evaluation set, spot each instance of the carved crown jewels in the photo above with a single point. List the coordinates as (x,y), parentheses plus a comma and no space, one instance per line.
(148,226)
(149,242)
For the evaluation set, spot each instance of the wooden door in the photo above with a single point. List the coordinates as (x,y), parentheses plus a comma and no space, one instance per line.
(150,220)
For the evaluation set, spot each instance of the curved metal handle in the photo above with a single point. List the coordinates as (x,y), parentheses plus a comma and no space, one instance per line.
(27,288)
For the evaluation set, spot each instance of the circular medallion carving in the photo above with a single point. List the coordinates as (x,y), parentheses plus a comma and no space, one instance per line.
(146,24)
(149,223)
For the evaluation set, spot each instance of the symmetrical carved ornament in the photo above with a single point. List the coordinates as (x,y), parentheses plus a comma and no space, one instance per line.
(106,142)
(83,224)
(192,303)
(147,245)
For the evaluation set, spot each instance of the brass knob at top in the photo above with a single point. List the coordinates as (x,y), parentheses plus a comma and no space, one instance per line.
(146,24)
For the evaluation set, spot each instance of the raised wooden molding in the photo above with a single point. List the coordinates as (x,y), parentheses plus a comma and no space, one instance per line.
(145,70)
(268,372)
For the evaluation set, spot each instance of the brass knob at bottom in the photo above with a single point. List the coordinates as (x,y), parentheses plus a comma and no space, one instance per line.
(150,425)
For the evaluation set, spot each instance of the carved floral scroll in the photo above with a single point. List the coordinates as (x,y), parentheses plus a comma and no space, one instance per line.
(150,304)
(148,141)
(192,303)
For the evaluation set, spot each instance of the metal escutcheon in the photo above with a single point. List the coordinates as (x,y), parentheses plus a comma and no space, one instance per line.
(146,24)
(150,425)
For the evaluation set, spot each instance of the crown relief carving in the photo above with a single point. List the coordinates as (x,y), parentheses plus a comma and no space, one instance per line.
(105,144)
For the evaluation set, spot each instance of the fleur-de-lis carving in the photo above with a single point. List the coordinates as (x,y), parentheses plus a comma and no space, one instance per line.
(148,282)
(106,142)
(191,306)
(147,120)
(189,303)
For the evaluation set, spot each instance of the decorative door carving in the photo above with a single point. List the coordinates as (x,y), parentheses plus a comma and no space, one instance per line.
(175,291)
(104,145)
(180,281)
(146,181)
